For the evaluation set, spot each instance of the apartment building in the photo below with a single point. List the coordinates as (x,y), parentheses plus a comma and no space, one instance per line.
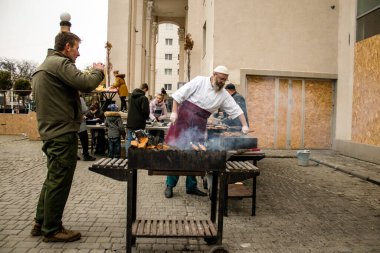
(167,58)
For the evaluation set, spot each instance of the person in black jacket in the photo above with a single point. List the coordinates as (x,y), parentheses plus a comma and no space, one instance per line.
(138,113)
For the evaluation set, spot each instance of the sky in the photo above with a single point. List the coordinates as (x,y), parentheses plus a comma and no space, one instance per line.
(28,28)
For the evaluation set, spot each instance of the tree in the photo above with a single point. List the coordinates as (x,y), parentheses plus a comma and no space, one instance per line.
(22,88)
(189,44)
(18,69)
(5,83)
(5,80)
(108,59)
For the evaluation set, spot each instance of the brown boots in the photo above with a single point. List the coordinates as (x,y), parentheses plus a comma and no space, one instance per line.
(62,235)
(36,230)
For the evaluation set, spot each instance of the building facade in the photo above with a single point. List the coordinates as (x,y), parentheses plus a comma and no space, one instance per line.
(167,58)
(309,83)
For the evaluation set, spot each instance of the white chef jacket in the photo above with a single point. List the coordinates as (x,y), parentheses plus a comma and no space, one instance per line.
(200,92)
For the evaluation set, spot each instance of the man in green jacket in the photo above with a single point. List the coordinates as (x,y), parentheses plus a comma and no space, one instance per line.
(55,85)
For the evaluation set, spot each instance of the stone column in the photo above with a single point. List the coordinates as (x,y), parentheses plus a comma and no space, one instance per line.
(148,55)
(138,49)
(153,42)
(181,40)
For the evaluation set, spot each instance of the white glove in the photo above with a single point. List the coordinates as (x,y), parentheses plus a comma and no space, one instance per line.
(245,130)
(173,117)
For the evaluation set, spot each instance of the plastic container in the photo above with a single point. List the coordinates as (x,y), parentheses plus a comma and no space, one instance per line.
(303,157)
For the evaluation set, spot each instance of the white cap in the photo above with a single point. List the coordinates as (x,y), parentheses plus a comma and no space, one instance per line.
(221,69)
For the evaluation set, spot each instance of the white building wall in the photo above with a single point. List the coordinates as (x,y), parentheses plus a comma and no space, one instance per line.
(118,35)
(297,35)
(167,31)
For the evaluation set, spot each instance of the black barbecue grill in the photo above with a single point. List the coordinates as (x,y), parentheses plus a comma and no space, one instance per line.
(220,149)
(177,162)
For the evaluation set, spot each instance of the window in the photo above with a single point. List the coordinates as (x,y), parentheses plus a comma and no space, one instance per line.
(178,56)
(168,72)
(177,72)
(367,19)
(168,42)
(168,86)
(168,57)
(169,26)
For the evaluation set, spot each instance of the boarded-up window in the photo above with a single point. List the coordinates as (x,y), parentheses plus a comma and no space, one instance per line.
(291,113)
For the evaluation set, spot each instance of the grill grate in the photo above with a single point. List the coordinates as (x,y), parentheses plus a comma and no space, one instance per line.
(173,228)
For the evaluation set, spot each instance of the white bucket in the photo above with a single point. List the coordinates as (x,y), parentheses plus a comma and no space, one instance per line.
(303,157)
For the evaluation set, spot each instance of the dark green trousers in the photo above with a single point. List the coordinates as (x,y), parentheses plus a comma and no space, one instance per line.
(61,155)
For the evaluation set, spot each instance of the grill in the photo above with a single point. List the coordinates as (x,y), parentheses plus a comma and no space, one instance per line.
(231,142)
(176,162)
(218,139)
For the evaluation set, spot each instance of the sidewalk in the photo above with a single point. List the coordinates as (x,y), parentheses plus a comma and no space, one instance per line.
(299,209)
(361,169)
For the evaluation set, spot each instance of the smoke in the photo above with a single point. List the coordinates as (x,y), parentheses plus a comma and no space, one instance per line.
(185,137)
(212,140)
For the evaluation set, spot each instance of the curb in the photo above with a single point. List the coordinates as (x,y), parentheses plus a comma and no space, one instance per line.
(338,168)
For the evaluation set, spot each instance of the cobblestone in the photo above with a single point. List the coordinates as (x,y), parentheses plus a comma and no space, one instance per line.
(299,209)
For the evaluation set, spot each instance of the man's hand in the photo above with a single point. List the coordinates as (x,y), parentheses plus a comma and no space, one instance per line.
(245,130)
(99,66)
(173,117)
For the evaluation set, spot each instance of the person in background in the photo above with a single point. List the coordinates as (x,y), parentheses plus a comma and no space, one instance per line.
(82,133)
(157,108)
(55,86)
(138,113)
(98,135)
(239,99)
(158,112)
(193,103)
(115,129)
(165,97)
(122,89)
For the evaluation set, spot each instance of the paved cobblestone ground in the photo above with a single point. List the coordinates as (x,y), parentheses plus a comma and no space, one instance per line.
(299,209)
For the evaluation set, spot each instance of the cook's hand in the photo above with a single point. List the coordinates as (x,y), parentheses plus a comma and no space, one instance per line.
(245,130)
(173,117)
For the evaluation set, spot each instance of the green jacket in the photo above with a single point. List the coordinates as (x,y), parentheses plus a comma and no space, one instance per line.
(55,86)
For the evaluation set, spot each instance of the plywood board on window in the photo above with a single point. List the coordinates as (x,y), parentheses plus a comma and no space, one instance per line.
(260,106)
(296,116)
(318,114)
(282,106)
(366,92)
